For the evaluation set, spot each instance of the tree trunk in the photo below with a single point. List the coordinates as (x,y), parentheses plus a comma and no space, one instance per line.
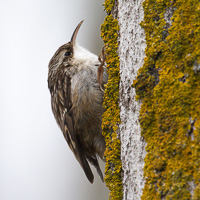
(153,98)
(131,53)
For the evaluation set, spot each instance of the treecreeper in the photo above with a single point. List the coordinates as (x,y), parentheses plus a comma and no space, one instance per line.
(76,80)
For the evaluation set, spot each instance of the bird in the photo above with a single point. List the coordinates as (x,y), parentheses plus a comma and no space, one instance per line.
(76,79)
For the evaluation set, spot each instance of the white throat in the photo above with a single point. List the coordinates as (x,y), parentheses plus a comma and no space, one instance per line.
(82,55)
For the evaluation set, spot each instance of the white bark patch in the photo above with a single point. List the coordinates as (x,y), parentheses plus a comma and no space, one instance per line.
(191,187)
(168,15)
(196,67)
(131,52)
(168,19)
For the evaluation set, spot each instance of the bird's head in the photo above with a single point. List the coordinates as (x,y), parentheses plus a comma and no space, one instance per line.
(71,54)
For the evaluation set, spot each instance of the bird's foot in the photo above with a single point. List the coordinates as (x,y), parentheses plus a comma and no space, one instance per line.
(102,60)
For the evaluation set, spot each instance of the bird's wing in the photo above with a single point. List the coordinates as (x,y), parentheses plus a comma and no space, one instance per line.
(68,130)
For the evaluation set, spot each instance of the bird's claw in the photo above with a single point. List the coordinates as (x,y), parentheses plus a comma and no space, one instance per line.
(102,60)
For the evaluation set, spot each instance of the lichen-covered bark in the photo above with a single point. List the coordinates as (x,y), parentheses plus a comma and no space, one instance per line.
(111,118)
(131,39)
(167,87)
(131,52)
(168,84)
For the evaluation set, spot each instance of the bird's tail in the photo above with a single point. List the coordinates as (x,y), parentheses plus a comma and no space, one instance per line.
(93,160)
(85,165)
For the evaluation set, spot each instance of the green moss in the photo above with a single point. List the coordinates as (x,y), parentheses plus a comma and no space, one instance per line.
(170,91)
(111,117)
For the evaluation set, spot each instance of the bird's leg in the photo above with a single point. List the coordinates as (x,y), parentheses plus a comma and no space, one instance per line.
(102,59)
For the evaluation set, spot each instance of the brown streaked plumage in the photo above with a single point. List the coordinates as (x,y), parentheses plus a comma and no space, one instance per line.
(76,99)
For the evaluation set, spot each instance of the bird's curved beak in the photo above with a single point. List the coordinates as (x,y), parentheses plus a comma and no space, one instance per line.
(73,39)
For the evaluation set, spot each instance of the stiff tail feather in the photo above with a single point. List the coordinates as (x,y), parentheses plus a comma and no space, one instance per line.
(93,160)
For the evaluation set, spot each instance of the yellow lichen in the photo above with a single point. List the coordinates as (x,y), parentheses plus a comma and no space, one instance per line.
(169,86)
(111,117)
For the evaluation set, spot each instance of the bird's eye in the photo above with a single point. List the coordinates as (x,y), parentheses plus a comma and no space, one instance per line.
(67,53)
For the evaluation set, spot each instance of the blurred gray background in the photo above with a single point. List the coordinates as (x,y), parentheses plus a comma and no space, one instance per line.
(35,160)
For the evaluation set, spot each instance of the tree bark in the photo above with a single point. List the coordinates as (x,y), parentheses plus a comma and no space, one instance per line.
(159,98)
(131,53)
